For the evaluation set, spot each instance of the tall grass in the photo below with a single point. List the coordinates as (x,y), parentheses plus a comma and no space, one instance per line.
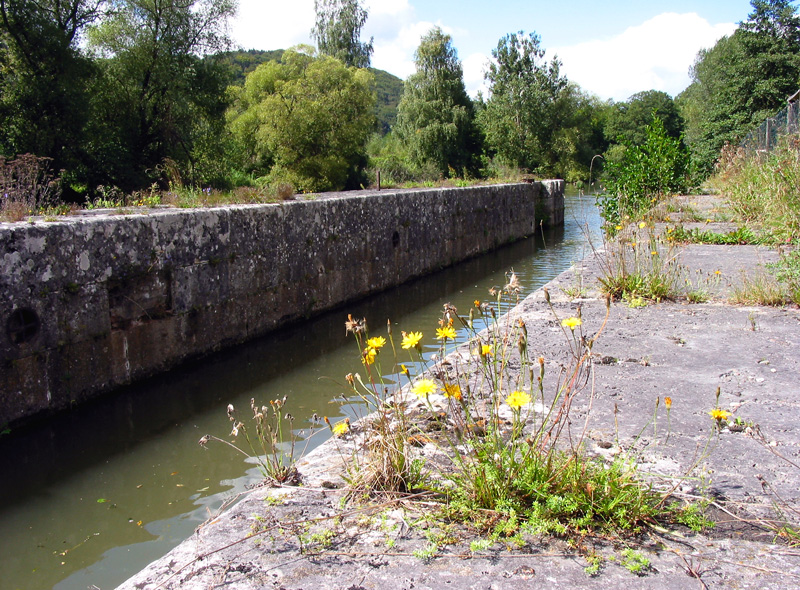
(764,188)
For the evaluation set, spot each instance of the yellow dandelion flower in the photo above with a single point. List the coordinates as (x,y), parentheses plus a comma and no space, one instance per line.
(517,399)
(341,428)
(486,350)
(571,323)
(368,357)
(668,403)
(477,303)
(445,333)
(411,340)
(717,272)
(642,225)
(452,390)
(653,253)
(404,370)
(376,342)
(719,415)
(424,387)
(633,244)
(618,227)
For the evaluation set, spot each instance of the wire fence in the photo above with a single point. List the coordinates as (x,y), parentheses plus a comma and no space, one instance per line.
(767,135)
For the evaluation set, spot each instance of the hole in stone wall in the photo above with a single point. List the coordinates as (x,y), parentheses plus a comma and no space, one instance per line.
(23,325)
(395,239)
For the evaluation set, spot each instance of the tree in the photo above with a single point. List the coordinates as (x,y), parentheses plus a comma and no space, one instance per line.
(305,120)
(520,115)
(150,54)
(578,136)
(435,117)
(743,79)
(44,77)
(627,122)
(338,31)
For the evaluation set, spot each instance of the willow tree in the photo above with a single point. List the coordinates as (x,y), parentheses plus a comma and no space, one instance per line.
(305,120)
(435,117)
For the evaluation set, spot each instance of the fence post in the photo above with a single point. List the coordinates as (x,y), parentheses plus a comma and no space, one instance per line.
(768,145)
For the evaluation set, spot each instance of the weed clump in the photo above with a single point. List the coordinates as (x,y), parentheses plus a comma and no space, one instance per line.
(26,185)
(640,265)
(273,450)
(480,429)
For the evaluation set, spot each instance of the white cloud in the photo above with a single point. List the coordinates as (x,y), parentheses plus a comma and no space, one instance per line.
(393,8)
(267,24)
(474,66)
(396,54)
(655,55)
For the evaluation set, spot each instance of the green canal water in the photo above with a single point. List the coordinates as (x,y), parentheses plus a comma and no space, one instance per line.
(90,498)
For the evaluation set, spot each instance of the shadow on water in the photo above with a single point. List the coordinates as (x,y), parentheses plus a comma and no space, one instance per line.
(102,490)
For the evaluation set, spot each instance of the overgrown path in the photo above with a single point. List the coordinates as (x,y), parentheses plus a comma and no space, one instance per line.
(748,469)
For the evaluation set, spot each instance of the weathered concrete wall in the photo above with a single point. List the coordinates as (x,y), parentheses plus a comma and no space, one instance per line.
(98,301)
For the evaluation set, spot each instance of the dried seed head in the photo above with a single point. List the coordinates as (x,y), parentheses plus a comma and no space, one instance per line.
(513,284)
(204,441)
(355,326)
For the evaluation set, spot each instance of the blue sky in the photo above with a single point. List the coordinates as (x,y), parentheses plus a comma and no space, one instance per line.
(611,48)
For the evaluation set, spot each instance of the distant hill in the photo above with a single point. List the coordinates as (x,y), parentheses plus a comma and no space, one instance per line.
(240,63)
(388,87)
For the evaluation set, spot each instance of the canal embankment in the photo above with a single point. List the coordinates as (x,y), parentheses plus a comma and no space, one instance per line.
(111,297)
(702,355)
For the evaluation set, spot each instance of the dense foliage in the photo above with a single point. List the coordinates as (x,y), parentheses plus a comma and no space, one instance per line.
(146,93)
(743,79)
(45,78)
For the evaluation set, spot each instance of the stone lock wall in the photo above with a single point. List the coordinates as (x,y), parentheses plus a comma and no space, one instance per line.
(99,300)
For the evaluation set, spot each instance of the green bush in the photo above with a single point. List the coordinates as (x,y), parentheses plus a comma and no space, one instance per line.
(643,175)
